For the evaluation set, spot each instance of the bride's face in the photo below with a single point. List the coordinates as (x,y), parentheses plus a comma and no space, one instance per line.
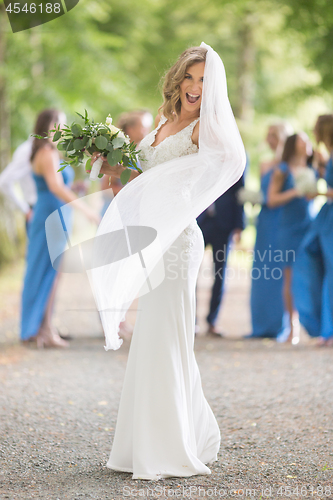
(191,87)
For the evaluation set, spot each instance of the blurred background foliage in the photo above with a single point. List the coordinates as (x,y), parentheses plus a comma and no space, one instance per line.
(109,56)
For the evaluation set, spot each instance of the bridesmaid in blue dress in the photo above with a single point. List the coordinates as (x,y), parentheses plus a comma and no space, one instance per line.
(267,315)
(294,218)
(313,281)
(40,278)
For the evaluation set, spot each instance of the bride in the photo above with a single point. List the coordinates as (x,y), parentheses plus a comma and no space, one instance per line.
(165,426)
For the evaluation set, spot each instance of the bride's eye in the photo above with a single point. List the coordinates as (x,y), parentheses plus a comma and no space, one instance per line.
(187,77)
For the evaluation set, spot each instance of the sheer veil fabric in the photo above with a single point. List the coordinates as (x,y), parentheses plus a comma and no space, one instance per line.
(167,198)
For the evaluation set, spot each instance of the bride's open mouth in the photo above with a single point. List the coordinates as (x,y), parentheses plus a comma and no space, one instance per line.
(192,98)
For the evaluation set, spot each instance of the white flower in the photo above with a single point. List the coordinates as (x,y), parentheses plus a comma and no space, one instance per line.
(124,136)
(113,129)
(108,121)
(305,180)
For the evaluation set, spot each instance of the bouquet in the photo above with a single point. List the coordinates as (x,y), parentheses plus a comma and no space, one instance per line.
(79,143)
(305,180)
(245,195)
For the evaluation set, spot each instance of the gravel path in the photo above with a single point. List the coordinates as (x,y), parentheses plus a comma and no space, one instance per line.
(58,410)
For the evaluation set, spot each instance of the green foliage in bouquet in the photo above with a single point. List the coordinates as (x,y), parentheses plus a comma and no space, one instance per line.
(77,142)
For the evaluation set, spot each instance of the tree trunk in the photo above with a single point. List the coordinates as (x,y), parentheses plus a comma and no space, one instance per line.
(8,229)
(4,101)
(246,79)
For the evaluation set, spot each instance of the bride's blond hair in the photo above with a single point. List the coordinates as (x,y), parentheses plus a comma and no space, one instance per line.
(174,77)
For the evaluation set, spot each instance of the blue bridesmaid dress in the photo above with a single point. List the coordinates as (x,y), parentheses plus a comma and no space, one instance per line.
(313,273)
(267,309)
(294,222)
(40,275)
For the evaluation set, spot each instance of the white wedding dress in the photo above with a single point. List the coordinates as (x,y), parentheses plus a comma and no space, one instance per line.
(165,426)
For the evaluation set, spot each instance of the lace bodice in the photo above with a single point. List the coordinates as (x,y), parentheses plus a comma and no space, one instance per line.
(173,146)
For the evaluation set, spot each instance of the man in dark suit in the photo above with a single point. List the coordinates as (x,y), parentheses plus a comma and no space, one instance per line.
(219,223)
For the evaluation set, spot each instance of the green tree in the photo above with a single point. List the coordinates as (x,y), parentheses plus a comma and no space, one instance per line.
(109,56)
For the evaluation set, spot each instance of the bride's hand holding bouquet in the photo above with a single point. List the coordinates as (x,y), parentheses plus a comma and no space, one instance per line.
(117,170)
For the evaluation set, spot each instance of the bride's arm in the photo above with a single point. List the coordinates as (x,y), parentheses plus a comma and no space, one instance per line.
(115,171)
